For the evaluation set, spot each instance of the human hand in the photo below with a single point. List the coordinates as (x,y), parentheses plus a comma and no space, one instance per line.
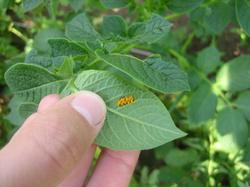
(54,147)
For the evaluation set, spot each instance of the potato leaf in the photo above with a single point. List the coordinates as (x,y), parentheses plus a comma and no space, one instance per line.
(26,109)
(234,75)
(31,83)
(242,9)
(80,29)
(64,47)
(150,30)
(31,4)
(114,3)
(183,6)
(243,104)
(156,74)
(143,124)
(113,26)
(202,105)
(232,130)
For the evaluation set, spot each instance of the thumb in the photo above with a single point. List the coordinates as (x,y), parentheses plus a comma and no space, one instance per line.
(52,141)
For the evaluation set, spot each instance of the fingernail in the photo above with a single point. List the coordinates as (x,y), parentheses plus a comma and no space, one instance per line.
(90,106)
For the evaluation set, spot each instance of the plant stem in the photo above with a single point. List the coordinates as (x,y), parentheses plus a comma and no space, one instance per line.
(210,167)
(187,43)
(17,33)
(185,64)
(173,16)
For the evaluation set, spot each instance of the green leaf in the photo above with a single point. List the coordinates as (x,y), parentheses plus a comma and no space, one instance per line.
(114,3)
(64,47)
(243,104)
(234,75)
(219,17)
(155,76)
(169,175)
(31,4)
(232,130)
(14,115)
(25,76)
(66,69)
(177,79)
(183,5)
(42,37)
(114,25)
(80,29)
(143,124)
(31,83)
(208,59)
(26,109)
(151,30)
(180,158)
(76,4)
(242,9)
(4,4)
(202,104)
(47,62)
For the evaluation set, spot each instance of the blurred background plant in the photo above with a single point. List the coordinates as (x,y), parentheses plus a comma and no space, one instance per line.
(209,40)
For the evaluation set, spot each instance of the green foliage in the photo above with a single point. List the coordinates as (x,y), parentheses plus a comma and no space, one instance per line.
(231,137)
(31,4)
(80,29)
(114,3)
(243,104)
(149,31)
(208,59)
(114,26)
(132,126)
(183,6)
(242,8)
(129,48)
(124,129)
(234,76)
(163,80)
(202,104)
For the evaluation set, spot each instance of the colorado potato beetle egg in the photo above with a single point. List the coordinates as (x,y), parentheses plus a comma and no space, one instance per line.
(125,100)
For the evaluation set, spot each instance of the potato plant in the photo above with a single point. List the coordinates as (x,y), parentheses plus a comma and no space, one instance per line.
(174,74)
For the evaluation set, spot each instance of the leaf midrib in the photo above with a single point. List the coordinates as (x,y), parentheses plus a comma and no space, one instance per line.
(134,77)
(142,123)
(57,81)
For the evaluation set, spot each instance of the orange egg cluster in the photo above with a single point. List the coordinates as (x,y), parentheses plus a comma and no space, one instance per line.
(125,100)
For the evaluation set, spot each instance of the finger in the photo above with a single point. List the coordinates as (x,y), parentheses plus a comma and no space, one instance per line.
(48,101)
(79,173)
(44,153)
(45,103)
(118,165)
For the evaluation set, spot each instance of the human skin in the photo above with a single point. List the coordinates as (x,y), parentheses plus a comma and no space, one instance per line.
(54,147)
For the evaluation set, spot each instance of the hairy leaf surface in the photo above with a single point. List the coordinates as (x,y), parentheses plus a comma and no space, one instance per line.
(114,25)
(31,83)
(26,109)
(64,47)
(143,124)
(80,29)
(151,30)
(160,76)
